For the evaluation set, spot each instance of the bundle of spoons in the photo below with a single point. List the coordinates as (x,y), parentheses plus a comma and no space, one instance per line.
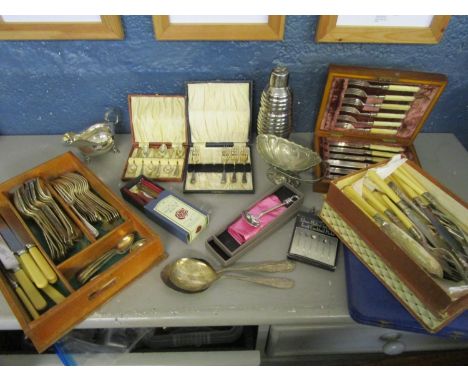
(192,275)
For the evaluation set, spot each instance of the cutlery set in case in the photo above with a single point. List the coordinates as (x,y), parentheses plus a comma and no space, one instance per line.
(202,139)
(368,115)
(255,223)
(220,120)
(159,137)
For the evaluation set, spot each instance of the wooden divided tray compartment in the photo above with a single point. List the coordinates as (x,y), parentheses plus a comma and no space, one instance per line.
(80,299)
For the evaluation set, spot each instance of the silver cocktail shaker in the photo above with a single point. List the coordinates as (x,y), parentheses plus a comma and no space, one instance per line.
(275,114)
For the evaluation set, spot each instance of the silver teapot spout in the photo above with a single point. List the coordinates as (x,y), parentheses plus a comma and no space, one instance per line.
(95,140)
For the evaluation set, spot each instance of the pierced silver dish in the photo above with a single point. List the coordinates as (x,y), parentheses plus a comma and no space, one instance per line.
(287,159)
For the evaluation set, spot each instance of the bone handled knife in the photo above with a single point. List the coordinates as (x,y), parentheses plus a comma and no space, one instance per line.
(372,153)
(30,257)
(392,149)
(403,88)
(22,296)
(347,164)
(10,262)
(395,98)
(358,158)
(352,120)
(340,170)
(24,257)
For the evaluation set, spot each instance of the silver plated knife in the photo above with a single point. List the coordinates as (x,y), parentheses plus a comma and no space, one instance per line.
(393,149)
(345,150)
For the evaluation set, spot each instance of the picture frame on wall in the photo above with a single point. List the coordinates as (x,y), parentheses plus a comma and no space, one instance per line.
(212,28)
(74,27)
(419,29)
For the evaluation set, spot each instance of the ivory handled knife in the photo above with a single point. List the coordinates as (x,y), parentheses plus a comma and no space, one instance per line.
(392,149)
(347,164)
(373,153)
(10,262)
(358,158)
(339,170)
(25,246)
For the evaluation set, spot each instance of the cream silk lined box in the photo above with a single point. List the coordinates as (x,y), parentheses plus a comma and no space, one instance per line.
(159,133)
(219,158)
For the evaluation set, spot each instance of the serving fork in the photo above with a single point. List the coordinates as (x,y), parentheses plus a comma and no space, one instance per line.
(353,110)
(396,88)
(356,102)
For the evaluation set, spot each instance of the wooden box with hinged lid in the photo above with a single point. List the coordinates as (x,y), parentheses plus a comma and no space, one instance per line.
(410,232)
(51,290)
(220,152)
(367,115)
(159,137)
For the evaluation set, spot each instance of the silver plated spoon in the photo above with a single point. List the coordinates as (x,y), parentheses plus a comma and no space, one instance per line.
(192,275)
(254,220)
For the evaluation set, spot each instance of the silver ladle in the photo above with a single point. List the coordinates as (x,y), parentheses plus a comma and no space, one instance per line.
(254,220)
(192,275)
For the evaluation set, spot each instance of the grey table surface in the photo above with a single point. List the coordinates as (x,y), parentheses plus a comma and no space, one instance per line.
(319,296)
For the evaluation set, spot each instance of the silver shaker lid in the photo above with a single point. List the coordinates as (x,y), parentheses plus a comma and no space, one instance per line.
(279,77)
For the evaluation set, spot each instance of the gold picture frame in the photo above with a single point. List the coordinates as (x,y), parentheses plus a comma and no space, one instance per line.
(329,31)
(272,30)
(110,28)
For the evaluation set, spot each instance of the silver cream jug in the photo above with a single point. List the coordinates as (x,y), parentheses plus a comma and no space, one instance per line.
(97,139)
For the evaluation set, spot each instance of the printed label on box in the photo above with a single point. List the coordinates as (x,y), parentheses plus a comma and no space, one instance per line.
(181,214)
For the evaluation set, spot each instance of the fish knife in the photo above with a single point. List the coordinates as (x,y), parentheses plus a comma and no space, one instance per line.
(340,170)
(410,246)
(347,164)
(393,149)
(358,158)
(372,153)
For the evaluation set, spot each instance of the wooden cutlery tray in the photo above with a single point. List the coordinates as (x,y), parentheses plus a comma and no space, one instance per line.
(80,300)
(359,110)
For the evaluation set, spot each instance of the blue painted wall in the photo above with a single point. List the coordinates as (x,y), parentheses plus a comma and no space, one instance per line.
(49,87)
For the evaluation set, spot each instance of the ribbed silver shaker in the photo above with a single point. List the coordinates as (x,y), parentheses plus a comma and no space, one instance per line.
(275,114)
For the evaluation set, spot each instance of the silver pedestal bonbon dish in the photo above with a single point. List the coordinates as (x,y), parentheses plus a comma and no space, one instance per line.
(287,159)
(97,139)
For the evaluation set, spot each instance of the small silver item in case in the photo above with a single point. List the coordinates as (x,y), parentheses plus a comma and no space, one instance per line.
(254,220)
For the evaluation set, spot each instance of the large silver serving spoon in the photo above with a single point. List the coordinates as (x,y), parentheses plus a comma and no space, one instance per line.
(192,275)
(125,244)
(254,220)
